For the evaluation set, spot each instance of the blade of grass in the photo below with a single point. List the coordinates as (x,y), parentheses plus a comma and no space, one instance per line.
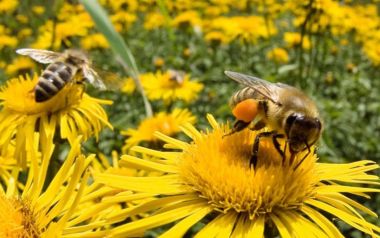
(164,11)
(117,44)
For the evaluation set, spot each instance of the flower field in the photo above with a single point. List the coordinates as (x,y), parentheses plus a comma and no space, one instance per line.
(155,154)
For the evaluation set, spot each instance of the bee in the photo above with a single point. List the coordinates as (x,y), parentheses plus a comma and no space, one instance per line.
(285,109)
(176,76)
(62,69)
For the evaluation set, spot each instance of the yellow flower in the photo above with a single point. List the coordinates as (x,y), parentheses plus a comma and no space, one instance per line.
(71,110)
(128,85)
(293,39)
(8,5)
(187,19)
(216,38)
(167,87)
(123,19)
(24,33)
(19,64)
(6,39)
(211,176)
(94,41)
(122,5)
(167,123)
(372,50)
(22,18)
(38,10)
(278,55)
(154,20)
(244,28)
(77,24)
(58,209)
(158,62)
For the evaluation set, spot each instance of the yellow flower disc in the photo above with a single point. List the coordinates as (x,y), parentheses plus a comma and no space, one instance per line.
(19,96)
(218,168)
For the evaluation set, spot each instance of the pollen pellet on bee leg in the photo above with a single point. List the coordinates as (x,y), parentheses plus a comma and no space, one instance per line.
(246,110)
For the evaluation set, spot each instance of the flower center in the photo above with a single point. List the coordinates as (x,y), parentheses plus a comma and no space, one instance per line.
(16,219)
(18,95)
(218,169)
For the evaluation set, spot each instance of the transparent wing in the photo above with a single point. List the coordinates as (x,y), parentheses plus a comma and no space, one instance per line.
(93,77)
(42,56)
(267,89)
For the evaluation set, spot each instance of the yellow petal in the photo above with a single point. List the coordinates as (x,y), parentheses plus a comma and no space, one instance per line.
(284,231)
(179,229)
(155,220)
(322,222)
(221,226)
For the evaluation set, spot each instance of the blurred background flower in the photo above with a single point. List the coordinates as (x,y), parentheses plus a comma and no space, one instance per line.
(167,123)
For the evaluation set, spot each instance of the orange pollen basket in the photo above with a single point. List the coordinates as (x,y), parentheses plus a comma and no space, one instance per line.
(246,110)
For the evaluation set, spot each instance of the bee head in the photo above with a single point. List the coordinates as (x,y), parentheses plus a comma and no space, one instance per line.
(302,131)
(76,57)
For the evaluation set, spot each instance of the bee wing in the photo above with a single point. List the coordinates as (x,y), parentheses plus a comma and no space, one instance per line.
(42,56)
(93,77)
(267,89)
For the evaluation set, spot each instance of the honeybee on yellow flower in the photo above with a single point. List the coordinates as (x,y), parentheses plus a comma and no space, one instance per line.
(62,69)
(285,109)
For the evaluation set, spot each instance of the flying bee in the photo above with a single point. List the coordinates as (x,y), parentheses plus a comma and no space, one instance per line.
(176,76)
(62,69)
(285,109)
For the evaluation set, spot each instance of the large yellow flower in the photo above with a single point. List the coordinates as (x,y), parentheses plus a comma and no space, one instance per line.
(65,208)
(167,123)
(211,176)
(71,111)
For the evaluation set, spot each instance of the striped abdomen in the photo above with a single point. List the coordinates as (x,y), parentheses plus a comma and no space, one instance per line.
(243,94)
(53,79)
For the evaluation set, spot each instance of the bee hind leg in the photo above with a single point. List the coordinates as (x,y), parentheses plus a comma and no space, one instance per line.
(258,126)
(238,126)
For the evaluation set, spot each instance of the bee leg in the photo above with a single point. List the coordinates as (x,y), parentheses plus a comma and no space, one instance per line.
(255,149)
(82,83)
(278,146)
(308,152)
(258,126)
(238,126)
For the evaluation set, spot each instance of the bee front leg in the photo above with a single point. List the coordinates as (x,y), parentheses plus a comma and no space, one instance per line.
(255,149)
(82,83)
(308,152)
(276,144)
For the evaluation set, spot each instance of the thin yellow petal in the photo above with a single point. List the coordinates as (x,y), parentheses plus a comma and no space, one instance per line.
(221,226)
(154,220)
(179,144)
(322,222)
(346,217)
(344,189)
(153,205)
(284,231)
(172,156)
(179,229)
(166,184)
(136,163)
(256,228)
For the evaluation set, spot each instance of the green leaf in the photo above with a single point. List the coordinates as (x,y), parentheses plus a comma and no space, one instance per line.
(117,44)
